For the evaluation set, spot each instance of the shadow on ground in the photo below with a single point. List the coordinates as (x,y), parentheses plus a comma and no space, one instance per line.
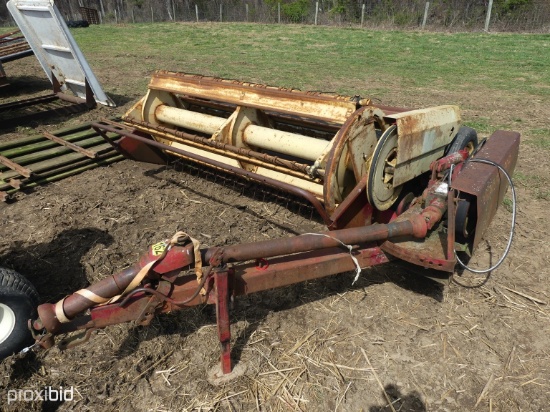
(399,401)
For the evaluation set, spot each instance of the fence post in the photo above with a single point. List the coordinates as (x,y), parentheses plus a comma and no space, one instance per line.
(102,9)
(279,12)
(174,10)
(152,15)
(116,17)
(316,11)
(425,14)
(197,12)
(362,14)
(221,12)
(246,7)
(133,18)
(488,18)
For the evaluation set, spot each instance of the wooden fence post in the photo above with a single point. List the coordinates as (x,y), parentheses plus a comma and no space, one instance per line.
(246,6)
(362,14)
(197,12)
(221,12)
(279,12)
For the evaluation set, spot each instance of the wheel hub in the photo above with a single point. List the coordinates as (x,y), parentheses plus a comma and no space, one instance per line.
(7,322)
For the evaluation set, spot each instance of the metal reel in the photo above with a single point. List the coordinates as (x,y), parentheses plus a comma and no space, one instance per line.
(381,192)
(354,143)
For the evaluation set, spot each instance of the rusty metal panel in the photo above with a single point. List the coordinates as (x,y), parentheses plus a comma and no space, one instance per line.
(13,47)
(486,182)
(295,102)
(422,137)
(429,252)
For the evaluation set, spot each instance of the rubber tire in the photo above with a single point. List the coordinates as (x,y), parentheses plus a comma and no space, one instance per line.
(21,297)
(464,136)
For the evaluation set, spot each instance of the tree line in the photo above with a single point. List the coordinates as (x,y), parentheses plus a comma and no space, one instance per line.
(509,15)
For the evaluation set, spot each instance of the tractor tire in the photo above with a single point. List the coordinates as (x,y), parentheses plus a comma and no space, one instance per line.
(18,302)
(466,138)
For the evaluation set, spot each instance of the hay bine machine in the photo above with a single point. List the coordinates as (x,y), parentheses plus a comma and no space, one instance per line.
(389,183)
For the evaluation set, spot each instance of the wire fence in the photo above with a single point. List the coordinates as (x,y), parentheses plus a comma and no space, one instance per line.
(434,15)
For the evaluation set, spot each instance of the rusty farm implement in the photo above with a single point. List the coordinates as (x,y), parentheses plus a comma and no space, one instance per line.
(389,183)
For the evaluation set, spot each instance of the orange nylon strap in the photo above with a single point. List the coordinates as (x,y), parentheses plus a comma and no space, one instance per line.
(145,269)
(88,294)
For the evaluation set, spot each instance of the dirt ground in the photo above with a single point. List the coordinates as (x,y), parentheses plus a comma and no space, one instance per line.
(393,337)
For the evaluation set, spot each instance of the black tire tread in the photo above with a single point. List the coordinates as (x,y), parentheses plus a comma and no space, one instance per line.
(463,136)
(12,282)
(19,294)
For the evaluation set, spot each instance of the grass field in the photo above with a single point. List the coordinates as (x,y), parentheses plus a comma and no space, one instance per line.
(383,65)
(346,60)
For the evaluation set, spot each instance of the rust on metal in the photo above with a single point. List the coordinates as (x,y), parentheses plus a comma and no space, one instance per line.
(178,258)
(89,153)
(27,102)
(13,47)
(486,182)
(354,211)
(23,171)
(222,316)
(292,101)
(423,135)
(15,183)
(316,142)
(238,153)
(102,128)
(346,157)
(42,159)
(3,36)
(287,270)
(353,144)
(308,242)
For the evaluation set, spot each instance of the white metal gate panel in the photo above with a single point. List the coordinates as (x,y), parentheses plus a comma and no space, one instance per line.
(54,46)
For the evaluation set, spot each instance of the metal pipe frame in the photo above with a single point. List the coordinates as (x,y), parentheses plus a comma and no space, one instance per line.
(239,153)
(101,128)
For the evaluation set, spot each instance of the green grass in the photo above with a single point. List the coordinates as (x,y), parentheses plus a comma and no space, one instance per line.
(537,185)
(540,142)
(343,60)
(508,204)
(540,138)
(481,125)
